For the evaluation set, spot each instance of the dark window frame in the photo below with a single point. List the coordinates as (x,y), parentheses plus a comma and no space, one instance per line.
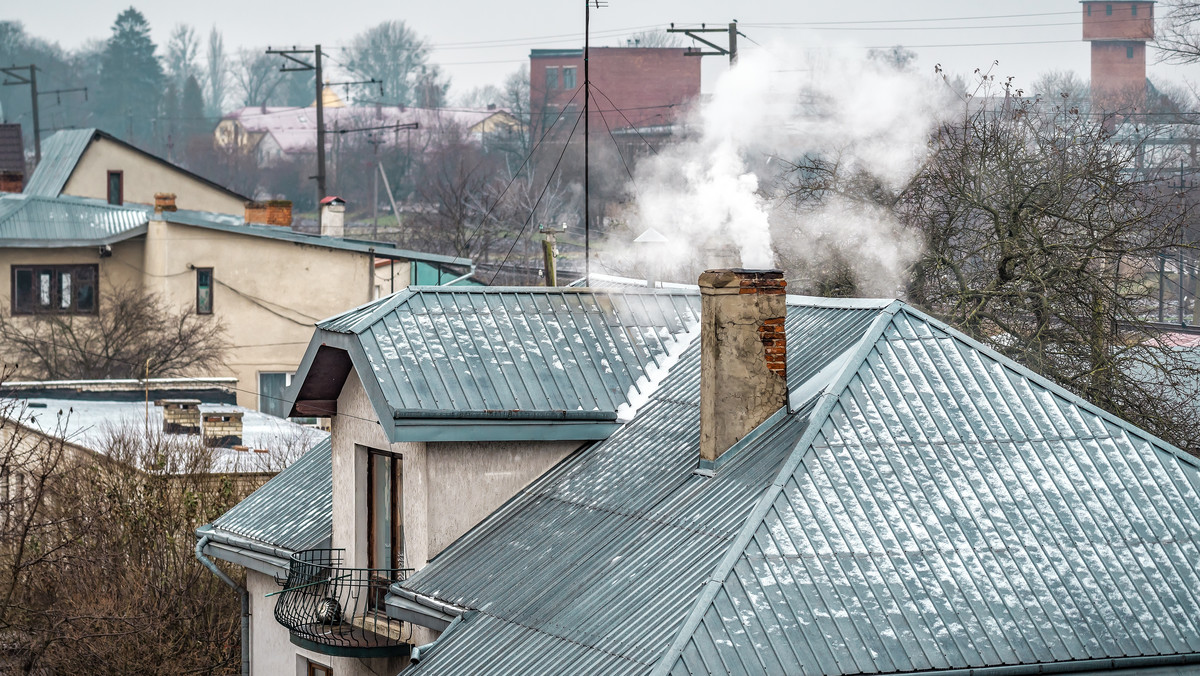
(91,277)
(315,669)
(1108,10)
(1129,51)
(1134,8)
(394,469)
(552,84)
(200,309)
(574,71)
(120,174)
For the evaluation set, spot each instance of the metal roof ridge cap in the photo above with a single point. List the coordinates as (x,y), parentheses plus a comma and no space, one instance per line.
(820,413)
(798,300)
(1054,388)
(384,306)
(354,329)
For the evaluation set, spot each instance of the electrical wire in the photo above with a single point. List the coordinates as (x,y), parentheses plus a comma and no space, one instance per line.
(631,124)
(549,179)
(518,171)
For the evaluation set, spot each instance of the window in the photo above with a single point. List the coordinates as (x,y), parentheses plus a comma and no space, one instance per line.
(1129,52)
(383,510)
(1134,8)
(315,669)
(1108,10)
(551,78)
(1089,10)
(116,187)
(270,393)
(204,291)
(55,289)
(569,77)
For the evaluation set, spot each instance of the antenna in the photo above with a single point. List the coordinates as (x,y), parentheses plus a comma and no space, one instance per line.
(587,105)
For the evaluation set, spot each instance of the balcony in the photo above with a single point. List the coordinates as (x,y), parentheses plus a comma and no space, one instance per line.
(339,611)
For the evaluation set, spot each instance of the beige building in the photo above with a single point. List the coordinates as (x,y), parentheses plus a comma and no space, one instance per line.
(95,164)
(266,284)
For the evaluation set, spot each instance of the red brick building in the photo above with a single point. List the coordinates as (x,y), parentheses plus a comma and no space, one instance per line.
(649,86)
(1118,32)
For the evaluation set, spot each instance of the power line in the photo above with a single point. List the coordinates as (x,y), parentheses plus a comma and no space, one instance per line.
(549,179)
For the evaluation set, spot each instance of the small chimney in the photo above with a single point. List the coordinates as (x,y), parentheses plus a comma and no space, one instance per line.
(164,201)
(271,212)
(743,355)
(222,428)
(12,181)
(333,217)
(180,416)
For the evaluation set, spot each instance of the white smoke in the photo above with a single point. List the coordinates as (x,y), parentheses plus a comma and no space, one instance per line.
(721,189)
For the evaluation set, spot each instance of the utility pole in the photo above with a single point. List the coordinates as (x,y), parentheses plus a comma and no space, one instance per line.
(30,80)
(550,252)
(718,50)
(304,66)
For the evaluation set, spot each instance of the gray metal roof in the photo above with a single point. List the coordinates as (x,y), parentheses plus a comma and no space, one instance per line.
(60,154)
(292,511)
(935,507)
(34,221)
(29,221)
(511,353)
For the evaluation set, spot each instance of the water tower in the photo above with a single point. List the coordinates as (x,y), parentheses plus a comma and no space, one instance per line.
(1118,32)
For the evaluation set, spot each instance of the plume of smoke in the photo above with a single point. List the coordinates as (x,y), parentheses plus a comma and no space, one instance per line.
(719,194)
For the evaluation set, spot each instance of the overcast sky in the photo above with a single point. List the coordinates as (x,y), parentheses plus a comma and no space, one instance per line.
(480,42)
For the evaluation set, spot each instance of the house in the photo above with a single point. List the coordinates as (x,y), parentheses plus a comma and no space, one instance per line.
(264,282)
(633,88)
(273,134)
(794,485)
(95,164)
(189,426)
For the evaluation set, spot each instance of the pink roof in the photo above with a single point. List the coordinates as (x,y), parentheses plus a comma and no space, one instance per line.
(294,129)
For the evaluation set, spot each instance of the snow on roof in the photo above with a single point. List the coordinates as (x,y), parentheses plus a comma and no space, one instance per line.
(94,425)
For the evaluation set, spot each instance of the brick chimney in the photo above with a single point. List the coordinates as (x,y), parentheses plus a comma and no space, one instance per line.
(743,354)
(164,201)
(271,212)
(180,416)
(12,181)
(333,217)
(222,428)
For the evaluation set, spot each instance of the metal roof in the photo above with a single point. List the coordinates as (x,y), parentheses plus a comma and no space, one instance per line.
(510,354)
(292,511)
(60,154)
(30,221)
(934,507)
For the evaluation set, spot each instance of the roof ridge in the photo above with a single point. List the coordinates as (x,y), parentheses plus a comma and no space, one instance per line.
(825,403)
(1054,388)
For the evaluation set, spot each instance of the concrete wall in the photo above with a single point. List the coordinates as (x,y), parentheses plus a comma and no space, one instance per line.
(144,177)
(651,85)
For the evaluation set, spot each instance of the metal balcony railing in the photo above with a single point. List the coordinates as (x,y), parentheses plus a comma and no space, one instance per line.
(336,610)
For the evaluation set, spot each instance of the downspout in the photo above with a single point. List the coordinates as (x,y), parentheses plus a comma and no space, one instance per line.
(245,597)
(459,279)
(423,651)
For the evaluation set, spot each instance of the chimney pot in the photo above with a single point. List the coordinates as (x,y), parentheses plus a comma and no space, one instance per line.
(164,201)
(743,347)
(333,217)
(12,181)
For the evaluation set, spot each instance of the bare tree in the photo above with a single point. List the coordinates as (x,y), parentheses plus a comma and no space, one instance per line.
(394,54)
(1038,229)
(97,573)
(133,333)
(654,38)
(256,76)
(183,48)
(1178,37)
(216,73)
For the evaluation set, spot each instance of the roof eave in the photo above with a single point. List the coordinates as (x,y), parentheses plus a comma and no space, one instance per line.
(499,430)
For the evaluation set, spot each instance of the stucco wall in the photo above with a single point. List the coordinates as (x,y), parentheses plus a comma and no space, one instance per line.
(447,487)
(144,177)
(268,294)
(469,480)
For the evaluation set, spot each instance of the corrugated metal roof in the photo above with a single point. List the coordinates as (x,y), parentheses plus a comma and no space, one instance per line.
(60,154)
(436,350)
(944,508)
(32,221)
(292,511)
